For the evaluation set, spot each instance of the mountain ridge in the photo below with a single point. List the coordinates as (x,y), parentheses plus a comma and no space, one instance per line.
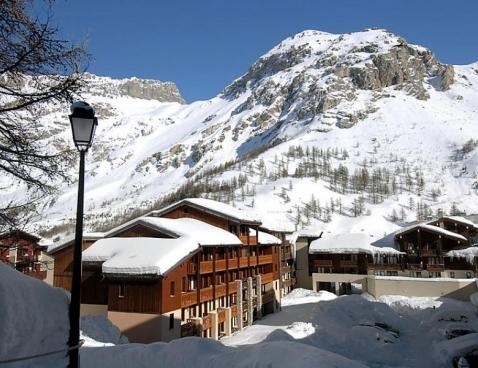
(355,101)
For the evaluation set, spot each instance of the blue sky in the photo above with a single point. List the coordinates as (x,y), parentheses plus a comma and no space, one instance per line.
(202,45)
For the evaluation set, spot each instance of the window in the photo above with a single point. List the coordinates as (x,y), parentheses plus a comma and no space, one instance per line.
(121,289)
(171,321)
(468,275)
(392,273)
(183,314)
(452,274)
(171,288)
(184,284)
(418,274)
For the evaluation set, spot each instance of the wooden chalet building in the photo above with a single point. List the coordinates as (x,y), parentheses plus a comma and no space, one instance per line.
(440,248)
(23,252)
(197,267)
(336,261)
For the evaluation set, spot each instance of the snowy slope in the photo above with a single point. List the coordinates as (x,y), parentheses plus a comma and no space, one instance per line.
(365,100)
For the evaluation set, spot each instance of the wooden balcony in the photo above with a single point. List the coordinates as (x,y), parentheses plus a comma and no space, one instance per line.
(264,259)
(428,252)
(232,287)
(206,294)
(435,267)
(220,265)
(189,298)
(322,263)
(266,278)
(384,266)
(253,261)
(414,267)
(206,267)
(348,263)
(243,262)
(234,310)
(220,290)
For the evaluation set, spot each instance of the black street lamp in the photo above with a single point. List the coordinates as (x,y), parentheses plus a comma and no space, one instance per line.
(83,125)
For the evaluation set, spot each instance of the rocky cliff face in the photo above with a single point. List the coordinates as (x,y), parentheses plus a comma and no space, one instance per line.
(145,89)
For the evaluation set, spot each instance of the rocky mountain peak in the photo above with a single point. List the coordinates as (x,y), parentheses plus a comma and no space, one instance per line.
(314,73)
(146,89)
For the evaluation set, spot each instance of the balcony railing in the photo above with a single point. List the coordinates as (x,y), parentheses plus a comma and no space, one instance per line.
(428,252)
(415,266)
(264,259)
(268,277)
(322,263)
(220,290)
(436,267)
(384,266)
(348,263)
(206,267)
(206,294)
(189,298)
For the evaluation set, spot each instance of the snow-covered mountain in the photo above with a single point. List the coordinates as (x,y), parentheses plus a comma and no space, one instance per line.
(356,132)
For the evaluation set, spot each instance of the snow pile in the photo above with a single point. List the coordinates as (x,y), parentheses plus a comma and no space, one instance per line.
(34,320)
(202,353)
(156,256)
(348,243)
(304,296)
(409,305)
(99,331)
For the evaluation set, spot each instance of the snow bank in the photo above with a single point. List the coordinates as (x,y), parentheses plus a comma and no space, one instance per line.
(202,353)
(349,243)
(34,320)
(303,296)
(99,331)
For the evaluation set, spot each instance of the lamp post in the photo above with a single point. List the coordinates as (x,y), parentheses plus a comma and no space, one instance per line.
(83,125)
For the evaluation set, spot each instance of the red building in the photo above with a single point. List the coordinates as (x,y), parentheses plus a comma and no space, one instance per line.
(22,251)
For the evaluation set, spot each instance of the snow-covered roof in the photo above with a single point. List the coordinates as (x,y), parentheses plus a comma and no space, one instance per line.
(469,253)
(214,207)
(143,255)
(303,233)
(433,228)
(266,238)
(461,219)
(348,243)
(69,239)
